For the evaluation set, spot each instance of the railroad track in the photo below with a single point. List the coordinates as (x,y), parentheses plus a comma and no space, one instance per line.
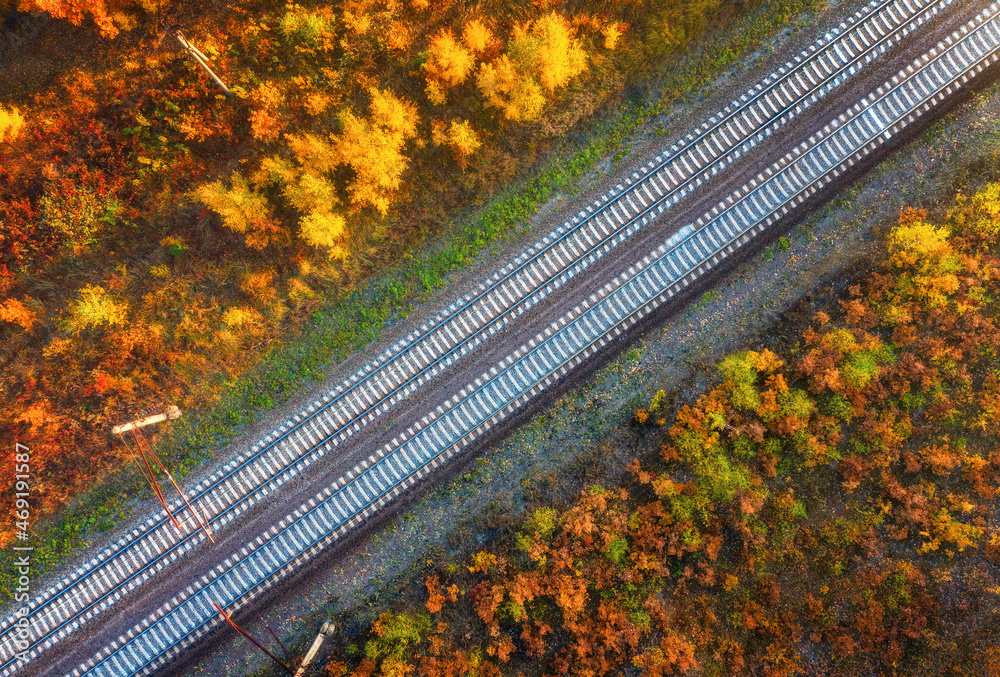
(531,278)
(522,375)
(550,264)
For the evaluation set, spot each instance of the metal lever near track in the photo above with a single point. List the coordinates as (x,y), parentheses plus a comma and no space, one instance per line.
(172,412)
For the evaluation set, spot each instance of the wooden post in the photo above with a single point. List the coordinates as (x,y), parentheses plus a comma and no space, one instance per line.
(202,61)
(170,414)
(326,629)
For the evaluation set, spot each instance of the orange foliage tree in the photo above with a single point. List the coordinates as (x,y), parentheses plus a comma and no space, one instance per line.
(76,11)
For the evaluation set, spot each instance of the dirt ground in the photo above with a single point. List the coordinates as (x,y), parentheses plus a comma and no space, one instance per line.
(580,440)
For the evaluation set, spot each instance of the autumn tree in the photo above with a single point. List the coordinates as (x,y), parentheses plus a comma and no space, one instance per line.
(612,33)
(541,57)
(75,11)
(242,210)
(396,636)
(324,230)
(477,37)
(373,148)
(95,308)
(508,88)
(16,312)
(925,250)
(77,212)
(459,136)
(448,64)
(550,51)
(265,119)
(307,188)
(983,214)
(11,122)
(308,31)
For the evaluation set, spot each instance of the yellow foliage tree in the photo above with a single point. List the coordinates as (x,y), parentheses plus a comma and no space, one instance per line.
(241,316)
(477,37)
(11,123)
(448,64)
(916,240)
(507,88)
(324,230)
(946,529)
(556,56)
(307,189)
(927,252)
(541,56)
(95,308)
(612,34)
(988,199)
(242,210)
(986,215)
(313,152)
(459,136)
(237,206)
(241,323)
(311,192)
(373,148)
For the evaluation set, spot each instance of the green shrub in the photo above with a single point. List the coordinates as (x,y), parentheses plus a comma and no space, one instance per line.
(543,521)
(838,407)
(617,549)
(740,371)
(721,478)
(397,634)
(301,27)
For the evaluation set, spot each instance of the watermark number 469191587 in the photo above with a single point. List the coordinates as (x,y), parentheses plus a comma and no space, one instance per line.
(22,549)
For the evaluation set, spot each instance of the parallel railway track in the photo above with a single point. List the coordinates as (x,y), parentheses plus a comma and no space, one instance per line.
(497,394)
(531,278)
(566,252)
